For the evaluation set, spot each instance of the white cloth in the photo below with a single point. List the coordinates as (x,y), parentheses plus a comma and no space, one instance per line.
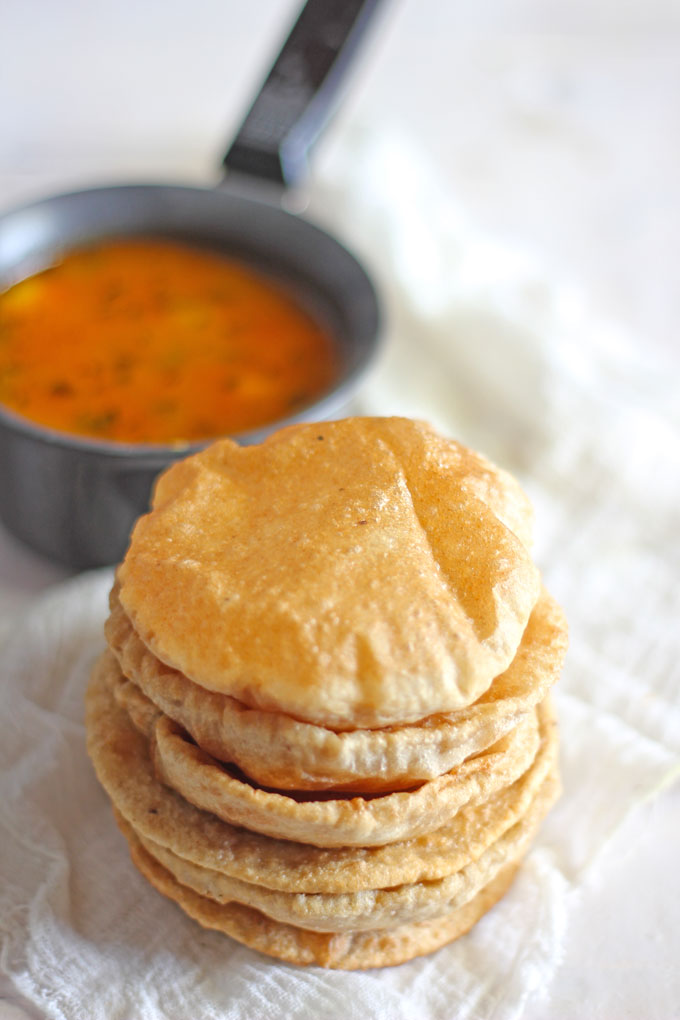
(489,350)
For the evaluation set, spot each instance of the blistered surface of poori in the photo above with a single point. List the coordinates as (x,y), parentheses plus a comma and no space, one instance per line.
(351,574)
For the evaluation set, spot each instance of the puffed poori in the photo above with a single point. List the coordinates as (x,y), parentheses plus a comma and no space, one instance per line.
(323,717)
(276,750)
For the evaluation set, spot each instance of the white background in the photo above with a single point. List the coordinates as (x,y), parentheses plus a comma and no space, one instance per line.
(557,125)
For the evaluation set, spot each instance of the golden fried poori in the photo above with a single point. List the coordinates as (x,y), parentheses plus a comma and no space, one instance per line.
(323,717)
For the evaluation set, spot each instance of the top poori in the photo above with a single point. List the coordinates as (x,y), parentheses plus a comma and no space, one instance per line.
(352,574)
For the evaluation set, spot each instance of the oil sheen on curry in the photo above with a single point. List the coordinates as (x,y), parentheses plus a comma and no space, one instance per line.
(153,342)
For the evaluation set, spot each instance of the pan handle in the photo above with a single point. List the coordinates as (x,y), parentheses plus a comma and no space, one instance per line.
(298,95)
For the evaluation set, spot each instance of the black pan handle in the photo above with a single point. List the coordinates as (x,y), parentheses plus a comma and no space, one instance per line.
(297,96)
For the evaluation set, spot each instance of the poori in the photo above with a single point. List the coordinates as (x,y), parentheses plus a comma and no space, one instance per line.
(335,950)
(274,749)
(123,763)
(346,574)
(323,716)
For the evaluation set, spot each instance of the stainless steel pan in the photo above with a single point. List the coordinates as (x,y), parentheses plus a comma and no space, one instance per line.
(75,499)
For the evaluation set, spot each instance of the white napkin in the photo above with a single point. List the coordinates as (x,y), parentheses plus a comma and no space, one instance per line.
(488,349)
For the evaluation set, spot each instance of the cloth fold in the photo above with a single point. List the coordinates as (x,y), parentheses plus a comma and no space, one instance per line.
(488,348)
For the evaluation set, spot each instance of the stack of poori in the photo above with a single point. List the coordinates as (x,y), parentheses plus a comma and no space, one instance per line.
(323,717)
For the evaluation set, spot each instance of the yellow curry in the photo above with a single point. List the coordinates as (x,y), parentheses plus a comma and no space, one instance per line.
(149,341)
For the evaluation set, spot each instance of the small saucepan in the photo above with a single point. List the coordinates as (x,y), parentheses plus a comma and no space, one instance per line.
(75,499)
